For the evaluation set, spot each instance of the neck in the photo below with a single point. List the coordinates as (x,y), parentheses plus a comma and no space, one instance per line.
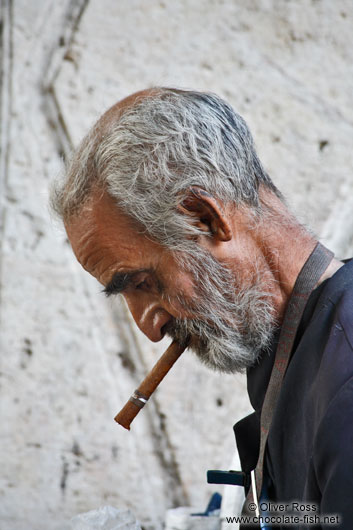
(331,270)
(285,258)
(286,246)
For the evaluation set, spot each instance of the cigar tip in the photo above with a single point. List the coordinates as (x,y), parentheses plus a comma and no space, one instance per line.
(127,427)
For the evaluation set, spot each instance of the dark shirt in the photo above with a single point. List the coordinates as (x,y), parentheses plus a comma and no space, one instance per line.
(309,455)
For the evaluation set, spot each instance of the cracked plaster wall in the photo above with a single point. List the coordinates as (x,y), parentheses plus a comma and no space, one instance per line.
(69,359)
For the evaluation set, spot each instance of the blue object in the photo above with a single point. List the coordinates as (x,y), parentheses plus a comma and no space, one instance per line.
(213,505)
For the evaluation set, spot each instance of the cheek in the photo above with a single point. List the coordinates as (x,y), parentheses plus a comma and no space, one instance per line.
(175,279)
(185,283)
(181,294)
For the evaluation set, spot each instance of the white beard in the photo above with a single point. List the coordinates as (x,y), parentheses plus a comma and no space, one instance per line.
(232,324)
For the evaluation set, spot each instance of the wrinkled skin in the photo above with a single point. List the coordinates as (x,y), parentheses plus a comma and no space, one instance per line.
(229,320)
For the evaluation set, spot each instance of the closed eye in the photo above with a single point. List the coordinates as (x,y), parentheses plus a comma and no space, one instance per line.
(145,283)
(143,280)
(122,281)
(141,285)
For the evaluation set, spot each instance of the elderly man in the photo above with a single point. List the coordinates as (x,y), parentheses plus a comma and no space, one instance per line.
(167,203)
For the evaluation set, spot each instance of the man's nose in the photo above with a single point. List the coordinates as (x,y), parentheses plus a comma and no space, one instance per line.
(149,316)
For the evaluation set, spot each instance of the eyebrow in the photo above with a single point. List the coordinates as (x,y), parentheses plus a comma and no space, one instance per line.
(120,281)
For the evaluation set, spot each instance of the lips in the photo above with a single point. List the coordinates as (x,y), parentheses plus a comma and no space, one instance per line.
(179,330)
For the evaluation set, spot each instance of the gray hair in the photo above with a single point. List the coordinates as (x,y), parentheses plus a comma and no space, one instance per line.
(161,145)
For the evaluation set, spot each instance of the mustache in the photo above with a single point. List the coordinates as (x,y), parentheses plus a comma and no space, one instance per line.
(209,343)
(195,331)
(177,329)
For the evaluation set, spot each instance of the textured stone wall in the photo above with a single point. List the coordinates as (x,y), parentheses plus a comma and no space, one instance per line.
(69,359)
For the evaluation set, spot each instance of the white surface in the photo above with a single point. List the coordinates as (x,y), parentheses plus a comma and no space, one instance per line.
(182,519)
(105,518)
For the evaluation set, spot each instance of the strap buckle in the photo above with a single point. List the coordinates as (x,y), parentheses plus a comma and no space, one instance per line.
(235,478)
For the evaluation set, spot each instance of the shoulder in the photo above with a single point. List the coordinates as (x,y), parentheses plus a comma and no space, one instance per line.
(333,316)
(334,378)
(339,346)
(328,344)
(344,314)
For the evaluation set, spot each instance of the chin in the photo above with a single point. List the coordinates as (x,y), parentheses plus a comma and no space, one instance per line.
(226,356)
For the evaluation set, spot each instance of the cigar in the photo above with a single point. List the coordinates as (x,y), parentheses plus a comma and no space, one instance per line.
(140,397)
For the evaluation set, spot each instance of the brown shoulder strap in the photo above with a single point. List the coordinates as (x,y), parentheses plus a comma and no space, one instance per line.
(308,277)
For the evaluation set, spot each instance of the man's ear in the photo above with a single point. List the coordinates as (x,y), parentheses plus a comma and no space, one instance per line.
(205,213)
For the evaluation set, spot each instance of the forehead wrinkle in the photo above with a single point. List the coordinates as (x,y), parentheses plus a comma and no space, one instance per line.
(89,265)
(92,242)
(85,240)
(86,251)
